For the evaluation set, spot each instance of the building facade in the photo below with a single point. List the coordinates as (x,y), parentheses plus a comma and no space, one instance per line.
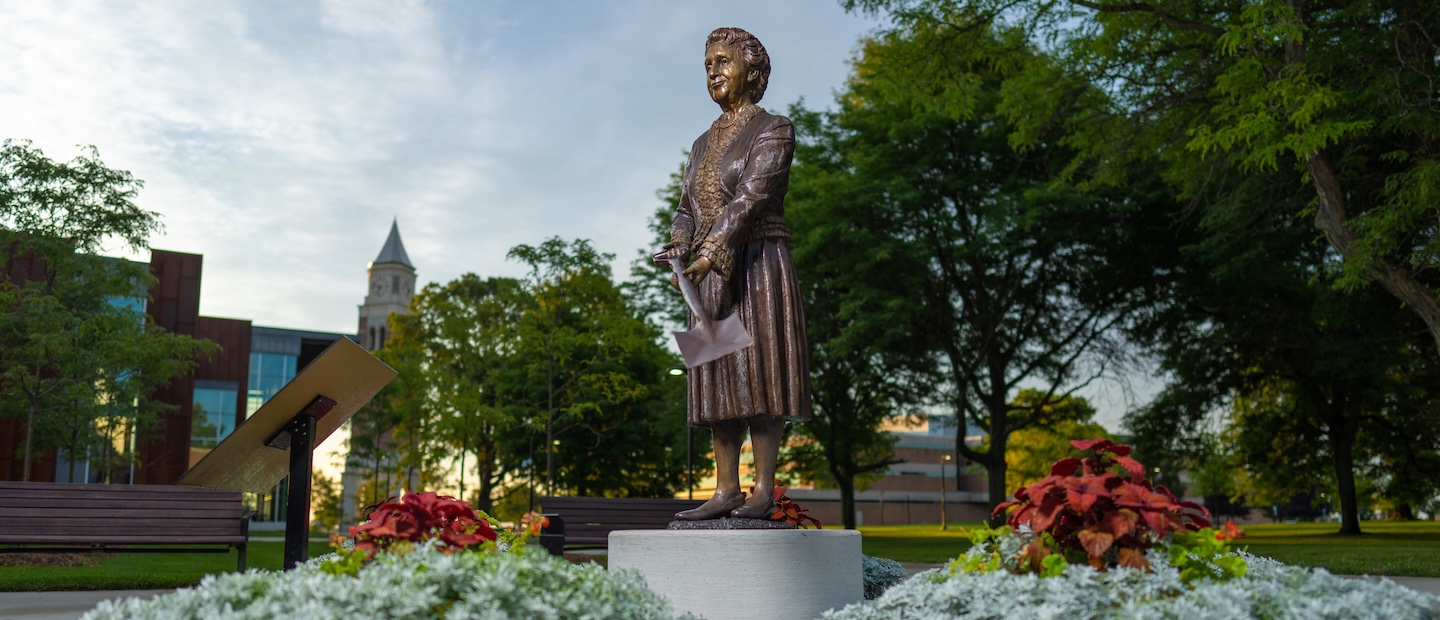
(223,391)
(931,481)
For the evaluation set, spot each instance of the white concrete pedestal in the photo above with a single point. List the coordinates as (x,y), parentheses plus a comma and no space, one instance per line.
(749,574)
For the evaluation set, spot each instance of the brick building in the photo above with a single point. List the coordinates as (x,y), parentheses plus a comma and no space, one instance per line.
(254,362)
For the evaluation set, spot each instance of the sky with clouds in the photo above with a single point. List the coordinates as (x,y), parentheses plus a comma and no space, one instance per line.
(280,138)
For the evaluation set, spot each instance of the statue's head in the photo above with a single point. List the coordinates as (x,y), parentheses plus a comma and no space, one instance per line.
(737,67)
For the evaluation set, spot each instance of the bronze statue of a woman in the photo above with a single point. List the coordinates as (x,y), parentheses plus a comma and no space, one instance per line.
(731,221)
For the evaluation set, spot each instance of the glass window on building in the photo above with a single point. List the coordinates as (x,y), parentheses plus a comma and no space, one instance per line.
(268,373)
(214,417)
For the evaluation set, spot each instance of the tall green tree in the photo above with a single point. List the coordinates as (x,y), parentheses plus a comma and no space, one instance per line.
(870,363)
(572,333)
(1009,276)
(1250,325)
(1334,100)
(462,332)
(76,351)
(500,375)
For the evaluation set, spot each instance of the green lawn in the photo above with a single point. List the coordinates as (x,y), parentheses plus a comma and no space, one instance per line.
(1387,548)
(144,571)
(916,543)
(1409,549)
(1400,549)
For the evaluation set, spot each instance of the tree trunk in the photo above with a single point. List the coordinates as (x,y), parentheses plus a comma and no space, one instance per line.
(847,500)
(463,447)
(550,459)
(29,442)
(995,477)
(1331,219)
(995,468)
(1342,444)
(485,471)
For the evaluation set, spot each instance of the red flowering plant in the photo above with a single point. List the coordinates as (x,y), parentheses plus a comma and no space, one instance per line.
(419,517)
(1099,509)
(788,511)
(397,524)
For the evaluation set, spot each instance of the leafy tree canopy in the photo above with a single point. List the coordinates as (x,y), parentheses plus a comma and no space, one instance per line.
(77,353)
(1342,93)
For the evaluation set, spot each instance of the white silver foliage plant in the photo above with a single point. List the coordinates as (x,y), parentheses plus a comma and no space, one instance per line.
(423,583)
(1269,590)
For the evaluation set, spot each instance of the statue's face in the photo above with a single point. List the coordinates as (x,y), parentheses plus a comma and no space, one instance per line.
(726,75)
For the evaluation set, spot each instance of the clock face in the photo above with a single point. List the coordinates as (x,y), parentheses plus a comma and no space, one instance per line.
(376,286)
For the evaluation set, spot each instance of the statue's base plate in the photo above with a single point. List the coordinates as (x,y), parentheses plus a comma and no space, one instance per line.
(745,573)
(730,524)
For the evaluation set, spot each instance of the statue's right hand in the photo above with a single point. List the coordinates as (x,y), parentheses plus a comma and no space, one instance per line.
(671,250)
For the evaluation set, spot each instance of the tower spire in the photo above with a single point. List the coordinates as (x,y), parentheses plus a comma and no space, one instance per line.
(394,249)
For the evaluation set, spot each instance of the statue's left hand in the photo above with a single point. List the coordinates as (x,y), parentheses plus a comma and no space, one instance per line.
(698,269)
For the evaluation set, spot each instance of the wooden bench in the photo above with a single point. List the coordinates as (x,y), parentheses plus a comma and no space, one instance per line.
(589,520)
(45,517)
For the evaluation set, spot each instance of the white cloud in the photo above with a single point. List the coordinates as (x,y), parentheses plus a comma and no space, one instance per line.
(280,138)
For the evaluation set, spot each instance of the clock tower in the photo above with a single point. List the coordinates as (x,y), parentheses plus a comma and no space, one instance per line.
(391,285)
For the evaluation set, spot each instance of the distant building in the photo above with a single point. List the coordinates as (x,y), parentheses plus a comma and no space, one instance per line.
(253,364)
(392,284)
(910,491)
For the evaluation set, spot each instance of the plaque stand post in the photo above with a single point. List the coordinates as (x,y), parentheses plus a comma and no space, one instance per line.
(299,437)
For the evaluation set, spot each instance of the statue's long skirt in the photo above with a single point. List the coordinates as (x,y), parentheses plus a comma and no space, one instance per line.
(772,377)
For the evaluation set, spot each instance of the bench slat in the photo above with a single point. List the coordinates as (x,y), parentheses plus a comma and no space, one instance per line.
(91,515)
(119,539)
(589,520)
(69,487)
(98,496)
(227,512)
(123,528)
(145,494)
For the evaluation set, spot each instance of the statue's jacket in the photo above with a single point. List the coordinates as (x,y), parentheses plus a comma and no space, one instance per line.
(732,211)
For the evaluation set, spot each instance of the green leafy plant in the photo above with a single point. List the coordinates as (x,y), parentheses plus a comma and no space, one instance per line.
(986,556)
(1205,554)
(1098,509)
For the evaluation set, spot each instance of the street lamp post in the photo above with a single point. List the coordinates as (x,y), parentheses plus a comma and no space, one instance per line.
(943,524)
(689,448)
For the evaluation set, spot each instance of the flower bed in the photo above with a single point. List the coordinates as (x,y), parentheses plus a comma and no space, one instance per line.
(422,583)
(1268,590)
(1109,544)
(1096,539)
(421,556)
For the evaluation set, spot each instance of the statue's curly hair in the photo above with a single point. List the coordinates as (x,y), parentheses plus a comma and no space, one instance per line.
(756,58)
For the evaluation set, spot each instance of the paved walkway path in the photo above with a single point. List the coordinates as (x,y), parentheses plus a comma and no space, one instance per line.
(60,605)
(72,605)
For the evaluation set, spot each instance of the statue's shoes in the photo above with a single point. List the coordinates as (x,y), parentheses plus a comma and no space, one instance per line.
(754,512)
(711,509)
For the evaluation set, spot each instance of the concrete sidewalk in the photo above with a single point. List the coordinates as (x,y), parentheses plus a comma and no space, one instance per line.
(60,605)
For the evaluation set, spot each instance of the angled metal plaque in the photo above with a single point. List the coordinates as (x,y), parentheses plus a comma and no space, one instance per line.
(344,373)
